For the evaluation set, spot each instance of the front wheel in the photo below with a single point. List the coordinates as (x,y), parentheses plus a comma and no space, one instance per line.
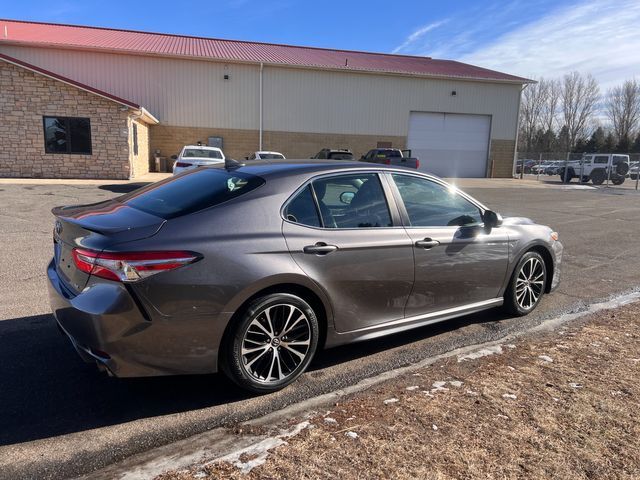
(271,343)
(526,286)
(598,177)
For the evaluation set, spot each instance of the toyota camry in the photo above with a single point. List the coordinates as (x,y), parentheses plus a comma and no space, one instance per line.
(252,269)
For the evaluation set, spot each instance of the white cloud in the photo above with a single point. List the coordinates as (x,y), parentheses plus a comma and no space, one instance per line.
(417,35)
(594,36)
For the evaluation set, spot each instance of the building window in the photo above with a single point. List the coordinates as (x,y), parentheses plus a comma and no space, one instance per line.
(135,139)
(67,135)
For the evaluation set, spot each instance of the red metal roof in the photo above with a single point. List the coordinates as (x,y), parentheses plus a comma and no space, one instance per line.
(147,43)
(55,76)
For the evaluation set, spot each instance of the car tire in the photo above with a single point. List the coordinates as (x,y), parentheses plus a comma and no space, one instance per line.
(527,285)
(598,177)
(618,181)
(271,343)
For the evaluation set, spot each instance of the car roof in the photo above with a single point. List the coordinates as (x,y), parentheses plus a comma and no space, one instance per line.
(267,151)
(206,147)
(289,167)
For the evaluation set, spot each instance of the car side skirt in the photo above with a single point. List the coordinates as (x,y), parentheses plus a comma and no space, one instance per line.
(334,338)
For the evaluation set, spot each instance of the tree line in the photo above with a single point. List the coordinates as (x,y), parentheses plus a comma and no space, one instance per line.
(566,115)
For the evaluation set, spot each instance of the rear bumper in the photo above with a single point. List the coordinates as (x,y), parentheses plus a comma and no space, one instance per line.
(105,325)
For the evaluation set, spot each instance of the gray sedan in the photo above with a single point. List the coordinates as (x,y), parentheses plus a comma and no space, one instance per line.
(252,269)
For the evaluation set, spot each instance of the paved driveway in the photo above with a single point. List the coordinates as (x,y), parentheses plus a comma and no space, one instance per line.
(60,417)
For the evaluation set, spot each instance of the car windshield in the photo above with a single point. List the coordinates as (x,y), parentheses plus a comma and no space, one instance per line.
(271,156)
(201,153)
(191,192)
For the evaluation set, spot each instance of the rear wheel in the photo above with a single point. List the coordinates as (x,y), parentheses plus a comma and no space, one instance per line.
(618,181)
(598,177)
(567,176)
(272,343)
(527,285)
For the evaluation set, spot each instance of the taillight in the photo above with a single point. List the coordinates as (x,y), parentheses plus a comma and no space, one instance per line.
(130,266)
(387,161)
(183,164)
(417,163)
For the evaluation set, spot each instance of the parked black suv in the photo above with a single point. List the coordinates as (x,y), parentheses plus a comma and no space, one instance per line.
(334,154)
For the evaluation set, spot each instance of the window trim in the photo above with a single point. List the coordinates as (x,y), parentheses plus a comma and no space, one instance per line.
(392,205)
(406,221)
(134,135)
(66,119)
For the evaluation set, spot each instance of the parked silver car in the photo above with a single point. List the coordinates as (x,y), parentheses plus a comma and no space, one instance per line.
(251,269)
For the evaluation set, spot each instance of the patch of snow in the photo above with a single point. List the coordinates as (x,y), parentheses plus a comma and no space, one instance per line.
(510,396)
(455,383)
(545,358)
(412,387)
(555,399)
(417,374)
(510,368)
(200,474)
(258,452)
(510,346)
(483,352)
(471,392)
(427,393)
(575,385)
(435,427)
(353,435)
(350,418)
(502,416)
(389,401)
(330,420)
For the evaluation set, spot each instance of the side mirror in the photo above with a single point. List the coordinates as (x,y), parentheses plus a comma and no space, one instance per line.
(346,197)
(174,157)
(491,220)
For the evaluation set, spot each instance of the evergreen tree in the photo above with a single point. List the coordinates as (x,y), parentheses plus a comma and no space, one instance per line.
(596,142)
(635,148)
(562,142)
(581,146)
(624,145)
(609,144)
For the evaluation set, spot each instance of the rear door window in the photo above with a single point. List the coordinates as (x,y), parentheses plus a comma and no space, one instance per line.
(302,209)
(191,192)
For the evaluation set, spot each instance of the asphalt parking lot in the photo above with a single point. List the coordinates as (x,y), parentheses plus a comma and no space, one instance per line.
(59,417)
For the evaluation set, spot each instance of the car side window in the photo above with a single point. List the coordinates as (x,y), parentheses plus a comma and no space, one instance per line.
(352,201)
(430,204)
(602,159)
(302,209)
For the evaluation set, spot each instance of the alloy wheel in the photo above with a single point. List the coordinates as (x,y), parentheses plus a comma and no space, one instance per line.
(530,283)
(275,343)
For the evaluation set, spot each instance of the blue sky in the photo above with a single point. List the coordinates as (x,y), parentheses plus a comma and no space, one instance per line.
(527,37)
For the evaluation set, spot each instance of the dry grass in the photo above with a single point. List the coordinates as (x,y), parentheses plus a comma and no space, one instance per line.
(553,428)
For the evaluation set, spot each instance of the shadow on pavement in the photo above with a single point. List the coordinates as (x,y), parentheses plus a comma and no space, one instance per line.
(47,390)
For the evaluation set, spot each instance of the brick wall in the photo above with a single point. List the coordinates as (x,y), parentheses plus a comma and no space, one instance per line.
(25,97)
(241,143)
(139,162)
(501,158)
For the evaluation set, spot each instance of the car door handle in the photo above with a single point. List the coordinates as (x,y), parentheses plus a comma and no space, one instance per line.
(427,243)
(320,248)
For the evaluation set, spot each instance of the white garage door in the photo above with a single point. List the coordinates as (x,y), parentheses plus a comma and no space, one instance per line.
(450,145)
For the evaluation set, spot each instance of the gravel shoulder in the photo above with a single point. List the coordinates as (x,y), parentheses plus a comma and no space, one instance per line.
(562,404)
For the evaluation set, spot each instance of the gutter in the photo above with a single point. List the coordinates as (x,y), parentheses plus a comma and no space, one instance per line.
(261,109)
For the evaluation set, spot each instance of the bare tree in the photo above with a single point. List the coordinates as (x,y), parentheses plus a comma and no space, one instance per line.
(623,109)
(550,113)
(532,106)
(579,100)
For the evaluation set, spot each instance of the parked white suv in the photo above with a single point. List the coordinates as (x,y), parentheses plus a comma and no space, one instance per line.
(194,156)
(597,167)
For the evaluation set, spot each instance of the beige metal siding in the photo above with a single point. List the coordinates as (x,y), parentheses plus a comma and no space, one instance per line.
(177,92)
(193,93)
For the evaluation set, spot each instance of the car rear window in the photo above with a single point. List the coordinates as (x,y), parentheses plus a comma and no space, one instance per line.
(201,153)
(271,156)
(191,192)
(341,156)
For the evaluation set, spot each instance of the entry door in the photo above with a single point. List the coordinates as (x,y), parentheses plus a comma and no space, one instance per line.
(456,262)
(342,234)
(450,144)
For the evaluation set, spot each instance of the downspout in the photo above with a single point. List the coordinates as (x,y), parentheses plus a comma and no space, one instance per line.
(260,139)
(515,151)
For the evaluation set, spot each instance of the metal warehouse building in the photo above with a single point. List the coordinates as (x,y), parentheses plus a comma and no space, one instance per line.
(99,103)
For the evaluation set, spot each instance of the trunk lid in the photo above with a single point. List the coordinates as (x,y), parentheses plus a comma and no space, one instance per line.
(95,227)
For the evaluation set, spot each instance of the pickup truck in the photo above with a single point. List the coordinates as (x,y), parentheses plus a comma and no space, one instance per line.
(391,156)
